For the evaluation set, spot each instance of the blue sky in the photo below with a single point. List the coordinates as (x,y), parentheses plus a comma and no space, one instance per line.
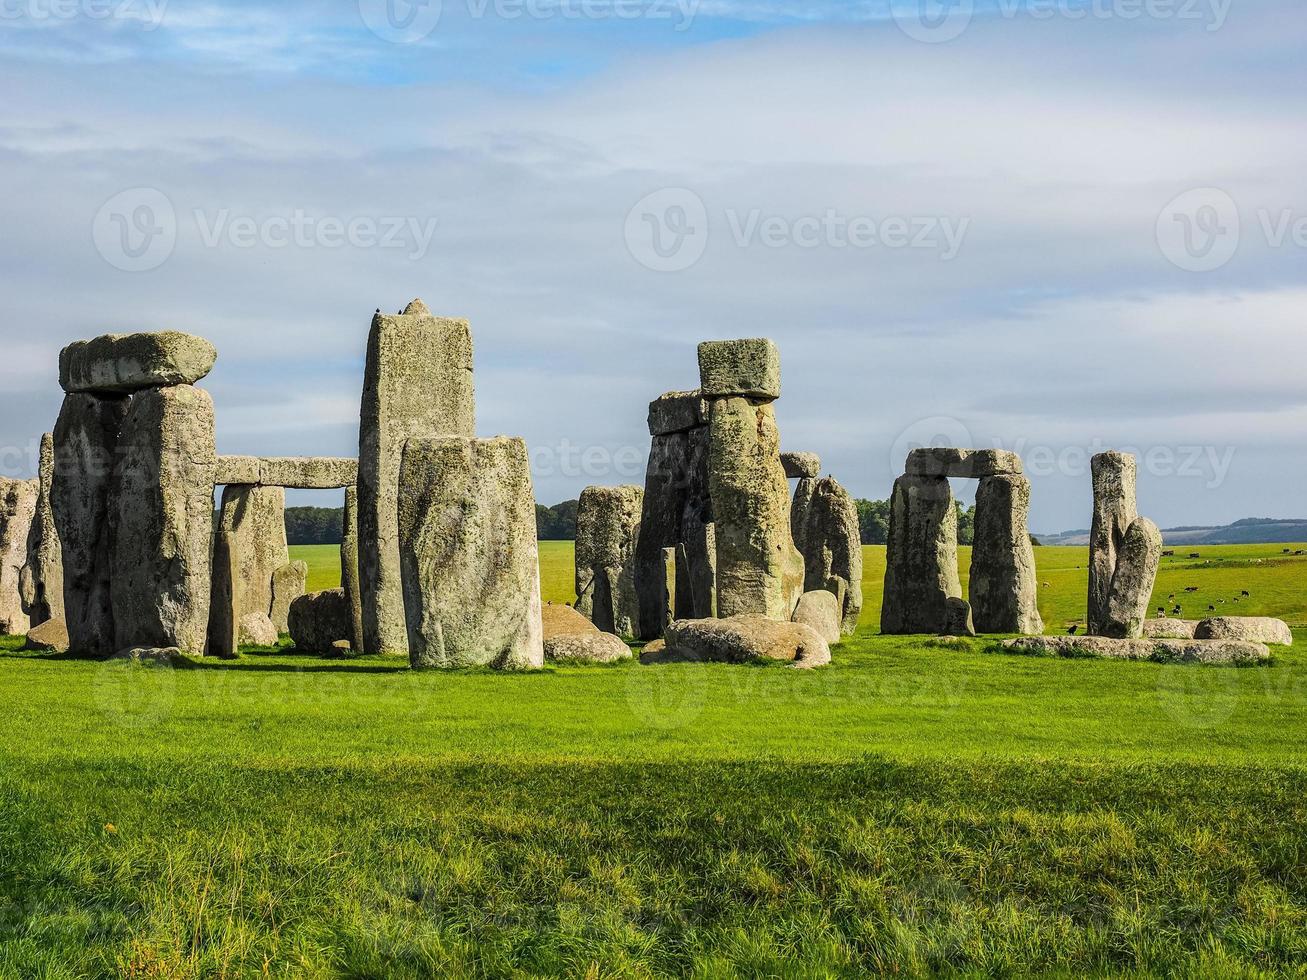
(1055,227)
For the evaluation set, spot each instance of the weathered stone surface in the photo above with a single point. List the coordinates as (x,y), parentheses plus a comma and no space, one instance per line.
(248,548)
(42,580)
(50,637)
(291,472)
(921,559)
(257,630)
(1003,588)
(162,520)
(740,639)
(607,529)
(594,648)
(349,567)
(666,490)
(289,582)
(1254,629)
(1137,560)
(696,561)
(85,451)
(827,534)
(558,620)
(1170,629)
(318,620)
(127,362)
(677,411)
(1114,512)
(1160,650)
(748,368)
(966,464)
(417,383)
(957,617)
(759,571)
(821,611)
(17,508)
(152,656)
(467,538)
(800,466)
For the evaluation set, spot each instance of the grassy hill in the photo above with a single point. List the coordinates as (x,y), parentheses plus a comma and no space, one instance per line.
(918,808)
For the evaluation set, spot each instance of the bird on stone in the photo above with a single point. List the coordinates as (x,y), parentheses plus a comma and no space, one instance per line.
(1072,631)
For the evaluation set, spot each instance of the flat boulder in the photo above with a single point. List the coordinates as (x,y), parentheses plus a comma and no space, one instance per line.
(740,640)
(593,648)
(821,611)
(562,620)
(966,464)
(1170,629)
(125,362)
(1254,629)
(801,466)
(1226,652)
(148,656)
(319,619)
(50,637)
(257,630)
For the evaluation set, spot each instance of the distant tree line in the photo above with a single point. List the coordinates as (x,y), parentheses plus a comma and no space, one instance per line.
(314,525)
(557,523)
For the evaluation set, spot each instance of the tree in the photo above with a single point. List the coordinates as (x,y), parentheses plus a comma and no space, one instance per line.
(873,520)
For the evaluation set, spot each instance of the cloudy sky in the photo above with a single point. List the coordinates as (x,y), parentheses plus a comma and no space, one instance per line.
(1052,227)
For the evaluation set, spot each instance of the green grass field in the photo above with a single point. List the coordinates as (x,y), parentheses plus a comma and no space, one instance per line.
(918,808)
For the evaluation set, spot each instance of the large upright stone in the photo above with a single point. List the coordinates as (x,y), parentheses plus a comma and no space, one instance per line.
(289,582)
(831,544)
(696,595)
(1004,587)
(666,489)
(43,575)
(162,520)
(17,508)
(1128,600)
(85,451)
(417,384)
(127,362)
(607,528)
(1114,511)
(467,539)
(749,368)
(759,571)
(349,567)
(248,548)
(923,592)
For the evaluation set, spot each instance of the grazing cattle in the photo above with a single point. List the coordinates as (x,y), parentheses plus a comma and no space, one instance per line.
(1244,593)
(1194,554)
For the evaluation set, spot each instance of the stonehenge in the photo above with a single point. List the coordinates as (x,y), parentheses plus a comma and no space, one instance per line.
(1003,585)
(17,509)
(1125,551)
(824,524)
(607,528)
(42,578)
(923,590)
(349,568)
(249,547)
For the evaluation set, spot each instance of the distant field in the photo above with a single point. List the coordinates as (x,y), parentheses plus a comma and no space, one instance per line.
(1278,582)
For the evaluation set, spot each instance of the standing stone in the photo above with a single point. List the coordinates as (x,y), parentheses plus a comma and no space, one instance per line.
(697,566)
(161,514)
(1114,512)
(759,571)
(607,529)
(1137,560)
(85,451)
(830,541)
(1004,586)
(923,592)
(17,508)
(349,567)
(671,567)
(666,490)
(467,538)
(289,582)
(248,548)
(417,384)
(318,620)
(43,575)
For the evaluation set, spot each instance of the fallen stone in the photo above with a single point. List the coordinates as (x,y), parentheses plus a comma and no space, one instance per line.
(740,639)
(1170,629)
(289,582)
(249,547)
(85,451)
(801,465)
(607,530)
(42,580)
(1254,629)
(124,363)
(821,611)
(162,520)
(923,591)
(1137,560)
(50,637)
(966,464)
(1003,588)
(17,508)
(828,536)
(653,649)
(318,620)
(342,648)
(152,656)
(676,411)
(257,630)
(467,541)
(594,648)
(417,384)
(559,620)
(748,368)
(1114,511)
(1160,650)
